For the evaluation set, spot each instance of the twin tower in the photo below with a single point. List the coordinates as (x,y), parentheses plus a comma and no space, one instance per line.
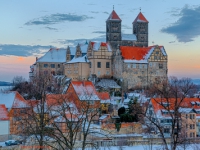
(114,36)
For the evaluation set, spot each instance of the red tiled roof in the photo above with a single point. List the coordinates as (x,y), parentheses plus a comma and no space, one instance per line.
(113,16)
(186,103)
(140,18)
(19,101)
(84,86)
(3,112)
(56,99)
(104,96)
(132,52)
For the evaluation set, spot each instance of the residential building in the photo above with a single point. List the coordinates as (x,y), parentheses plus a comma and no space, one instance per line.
(16,105)
(163,111)
(4,122)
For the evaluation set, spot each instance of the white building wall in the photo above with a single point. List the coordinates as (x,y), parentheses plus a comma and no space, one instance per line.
(4,127)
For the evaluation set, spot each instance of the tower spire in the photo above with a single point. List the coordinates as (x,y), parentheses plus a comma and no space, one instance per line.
(140,9)
(113,7)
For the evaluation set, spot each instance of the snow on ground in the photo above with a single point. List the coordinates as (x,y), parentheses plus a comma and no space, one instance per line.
(2,144)
(147,147)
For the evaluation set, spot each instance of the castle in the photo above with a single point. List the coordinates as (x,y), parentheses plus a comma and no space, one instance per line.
(125,57)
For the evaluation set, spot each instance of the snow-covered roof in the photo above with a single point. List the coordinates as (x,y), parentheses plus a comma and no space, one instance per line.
(85,90)
(113,16)
(140,18)
(58,55)
(12,100)
(129,37)
(96,46)
(185,110)
(3,113)
(54,55)
(133,54)
(108,83)
(103,117)
(79,60)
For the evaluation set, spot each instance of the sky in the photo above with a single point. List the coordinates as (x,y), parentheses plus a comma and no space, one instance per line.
(29,28)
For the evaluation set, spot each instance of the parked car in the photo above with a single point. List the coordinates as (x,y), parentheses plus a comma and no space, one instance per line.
(12,142)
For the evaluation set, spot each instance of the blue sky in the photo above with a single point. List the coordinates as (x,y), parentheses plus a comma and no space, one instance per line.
(29,28)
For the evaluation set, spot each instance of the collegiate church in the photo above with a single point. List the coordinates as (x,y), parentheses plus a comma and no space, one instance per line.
(125,57)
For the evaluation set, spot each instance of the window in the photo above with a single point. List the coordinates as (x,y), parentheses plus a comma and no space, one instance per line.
(99,73)
(186,116)
(155,57)
(157,52)
(129,65)
(190,134)
(107,64)
(45,65)
(190,126)
(160,66)
(107,72)
(134,66)
(166,130)
(90,64)
(58,65)
(140,66)
(52,65)
(98,64)
(191,116)
(150,64)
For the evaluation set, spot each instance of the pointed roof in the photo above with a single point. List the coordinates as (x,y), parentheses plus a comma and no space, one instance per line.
(113,16)
(3,112)
(140,18)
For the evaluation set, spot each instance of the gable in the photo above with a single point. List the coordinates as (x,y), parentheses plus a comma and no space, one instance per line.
(158,54)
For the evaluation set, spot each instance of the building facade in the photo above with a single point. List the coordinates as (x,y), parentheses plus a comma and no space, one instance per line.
(139,66)
(126,57)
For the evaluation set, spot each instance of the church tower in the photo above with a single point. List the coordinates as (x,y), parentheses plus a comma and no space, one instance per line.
(140,29)
(113,30)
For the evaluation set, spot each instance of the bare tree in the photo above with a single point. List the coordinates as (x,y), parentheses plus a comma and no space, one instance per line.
(169,95)
(58,120)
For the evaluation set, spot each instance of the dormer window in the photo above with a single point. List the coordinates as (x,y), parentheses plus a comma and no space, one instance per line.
(165,104)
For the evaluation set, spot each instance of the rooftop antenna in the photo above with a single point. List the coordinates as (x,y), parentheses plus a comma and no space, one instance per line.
(140,9)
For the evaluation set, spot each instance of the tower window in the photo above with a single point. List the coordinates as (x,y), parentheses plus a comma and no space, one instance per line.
(98,64)
(107,64)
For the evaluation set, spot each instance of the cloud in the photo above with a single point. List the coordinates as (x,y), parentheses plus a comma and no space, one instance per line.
(186,28)
(23,50)
(57,18)
(100,32)
(126,27)
(94,12)
(172,41)
(50,28)
(105,12)
(74,42)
